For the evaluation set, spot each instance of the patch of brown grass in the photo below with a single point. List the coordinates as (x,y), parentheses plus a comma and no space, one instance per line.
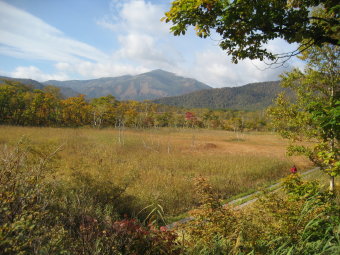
(158,165)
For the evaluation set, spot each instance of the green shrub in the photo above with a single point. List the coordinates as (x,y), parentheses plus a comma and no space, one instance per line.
(26,224)
(214,228)
(303,220)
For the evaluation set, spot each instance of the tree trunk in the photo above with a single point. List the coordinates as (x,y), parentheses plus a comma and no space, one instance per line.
(331,184)
(332,142)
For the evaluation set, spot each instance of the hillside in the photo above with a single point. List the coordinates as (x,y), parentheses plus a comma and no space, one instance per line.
(151,85)
(170,89)
(29,82)
(65,91)
(253,96)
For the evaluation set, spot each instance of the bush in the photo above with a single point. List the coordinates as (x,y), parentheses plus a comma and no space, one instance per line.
(26,225)
(214,228)
(303,220)
(43,215)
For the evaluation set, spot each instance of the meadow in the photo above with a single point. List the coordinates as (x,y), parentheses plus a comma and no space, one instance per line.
(105,191)
(158,166)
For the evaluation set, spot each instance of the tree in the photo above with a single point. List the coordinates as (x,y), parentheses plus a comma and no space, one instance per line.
(103,110)
(246,26)
(42,109)
(131,113)
(75,111)
(12,102)
(210,119)
(312,122)
(53,90)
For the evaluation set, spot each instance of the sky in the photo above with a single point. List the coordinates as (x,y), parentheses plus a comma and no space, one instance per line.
(86,39)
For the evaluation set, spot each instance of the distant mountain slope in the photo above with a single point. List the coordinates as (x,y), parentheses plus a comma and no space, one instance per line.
(151,85)
(29,82)
(65,91)
(252,96)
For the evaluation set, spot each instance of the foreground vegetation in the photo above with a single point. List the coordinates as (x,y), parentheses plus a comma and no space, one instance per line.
(157,166)
(304,219)
(41,213)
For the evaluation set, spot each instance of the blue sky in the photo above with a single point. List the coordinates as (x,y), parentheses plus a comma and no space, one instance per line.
(85,39)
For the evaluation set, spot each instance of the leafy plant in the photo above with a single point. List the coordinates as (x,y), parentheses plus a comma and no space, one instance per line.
(311,123)
(214,228)
(27,226)
(155,213)
(304,220)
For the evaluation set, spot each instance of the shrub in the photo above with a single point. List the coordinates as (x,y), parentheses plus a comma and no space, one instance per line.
(214,228)
(26,225)
(303,220)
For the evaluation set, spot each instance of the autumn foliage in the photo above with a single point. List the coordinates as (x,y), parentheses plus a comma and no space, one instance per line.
(25,106)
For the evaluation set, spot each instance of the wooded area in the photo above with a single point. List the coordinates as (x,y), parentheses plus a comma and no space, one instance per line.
(22,105)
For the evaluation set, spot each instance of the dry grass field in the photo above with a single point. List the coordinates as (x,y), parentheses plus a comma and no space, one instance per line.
(157,166)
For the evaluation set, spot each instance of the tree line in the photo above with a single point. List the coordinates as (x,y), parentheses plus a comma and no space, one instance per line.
(23,105)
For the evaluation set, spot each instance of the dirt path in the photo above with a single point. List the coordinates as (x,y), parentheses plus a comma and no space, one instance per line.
(246,202)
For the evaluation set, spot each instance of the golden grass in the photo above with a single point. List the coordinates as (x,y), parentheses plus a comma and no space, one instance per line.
(158,165)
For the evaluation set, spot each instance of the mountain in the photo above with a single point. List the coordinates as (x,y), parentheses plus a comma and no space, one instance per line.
(29,82)
(167,88)
(253,96)
(146,86)
(65,92)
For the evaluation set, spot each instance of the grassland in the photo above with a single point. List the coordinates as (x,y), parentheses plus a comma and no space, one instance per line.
(157,166)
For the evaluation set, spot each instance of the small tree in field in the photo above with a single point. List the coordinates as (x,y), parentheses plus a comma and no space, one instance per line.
(312,121)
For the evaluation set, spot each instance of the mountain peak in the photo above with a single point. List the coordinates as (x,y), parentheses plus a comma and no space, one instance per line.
(146,86)
(160,71)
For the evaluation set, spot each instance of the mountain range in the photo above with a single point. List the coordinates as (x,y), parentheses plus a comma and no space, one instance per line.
(167,88)
(146,86)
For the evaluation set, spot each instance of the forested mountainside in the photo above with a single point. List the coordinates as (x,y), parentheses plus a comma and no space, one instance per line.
(170,89)
(65,91)
(253,96)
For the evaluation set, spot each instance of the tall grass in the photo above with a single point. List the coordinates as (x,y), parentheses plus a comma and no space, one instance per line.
(158,166)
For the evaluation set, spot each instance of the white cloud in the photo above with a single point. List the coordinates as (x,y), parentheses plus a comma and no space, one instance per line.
(280,46)
(135,16)
(33,72)
(106,69)
(143,48)
(90,70)
(143,38)
(63,66)
(215,68)
(26,36)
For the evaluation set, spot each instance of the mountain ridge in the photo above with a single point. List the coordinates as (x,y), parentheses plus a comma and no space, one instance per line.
(252,96)
(145,86)
(159,86)
(65,91)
